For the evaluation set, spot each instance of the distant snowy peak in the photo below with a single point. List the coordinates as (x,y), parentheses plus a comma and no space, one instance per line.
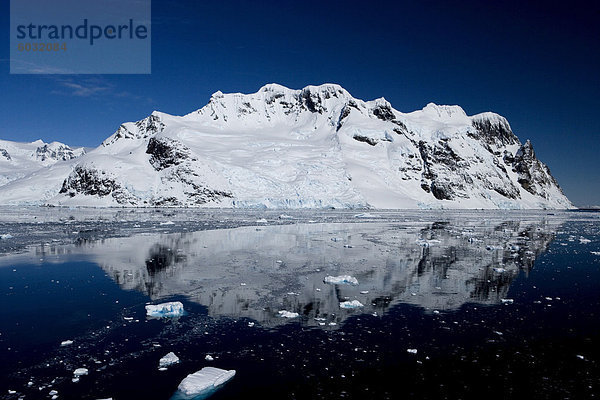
(142,129)
(20,159)
(38,151)
(313,147)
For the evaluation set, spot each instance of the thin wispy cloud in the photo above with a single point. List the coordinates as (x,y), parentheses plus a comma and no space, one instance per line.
(84,90)
(91,88)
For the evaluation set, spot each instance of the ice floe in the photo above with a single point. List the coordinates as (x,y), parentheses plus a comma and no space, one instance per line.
(351,304)
(288,314)
(203,382)
(170,309)
(341,280)
(168,360)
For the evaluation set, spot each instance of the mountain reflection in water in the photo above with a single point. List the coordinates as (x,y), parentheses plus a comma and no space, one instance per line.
(256,271)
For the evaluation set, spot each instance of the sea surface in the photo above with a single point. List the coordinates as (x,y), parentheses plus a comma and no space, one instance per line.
(448,305)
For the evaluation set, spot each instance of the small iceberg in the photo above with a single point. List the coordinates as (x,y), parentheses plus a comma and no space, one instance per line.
(366,215)
(170,309)
(351,304)
(168,360)
(288,314)
(203,383)
(66,343)
(341,280)
(80,372)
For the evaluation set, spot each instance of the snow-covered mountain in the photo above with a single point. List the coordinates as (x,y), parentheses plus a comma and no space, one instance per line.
(21,159)
(315,147)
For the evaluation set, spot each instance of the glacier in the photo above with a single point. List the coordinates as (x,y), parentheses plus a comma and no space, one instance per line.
(317,147)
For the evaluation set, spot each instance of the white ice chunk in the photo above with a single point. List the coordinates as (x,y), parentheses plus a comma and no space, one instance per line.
(6,236)
(583,240)
(261,221)
(203,382)
(596,253)
(80,372)
(209,358)
(170,309)
(507,301)
(167,223)
(351,304)
(365,215)
(66,343)
(167,360)
(412,351)
(341,280)
(288,314)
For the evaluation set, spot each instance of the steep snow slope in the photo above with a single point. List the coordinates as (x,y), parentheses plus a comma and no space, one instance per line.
(20,159)
(315,147)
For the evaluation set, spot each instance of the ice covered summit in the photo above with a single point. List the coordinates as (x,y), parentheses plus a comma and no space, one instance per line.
(311,148)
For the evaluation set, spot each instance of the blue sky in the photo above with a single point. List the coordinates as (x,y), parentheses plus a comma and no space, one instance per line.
(536,64)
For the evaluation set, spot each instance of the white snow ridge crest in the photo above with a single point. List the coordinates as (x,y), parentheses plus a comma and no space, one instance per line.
(312,148)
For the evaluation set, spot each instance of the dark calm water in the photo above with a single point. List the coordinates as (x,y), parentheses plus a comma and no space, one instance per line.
(495,305)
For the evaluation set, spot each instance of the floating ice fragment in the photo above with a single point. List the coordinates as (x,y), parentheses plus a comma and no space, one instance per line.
(499,270)
(348,246)
(583,240)
(412,351)
(580,357)
(364,292)
(596,253)
(250,324)
(341,280)
(66,343)
(52,393)
(209,358)
(80,372)
(365,215)
(261,221)
(167,223)
(170,309)
(288,314)
(203,382)
(167,360)
(507,301)
(351,304)
(11,391)
(6,236)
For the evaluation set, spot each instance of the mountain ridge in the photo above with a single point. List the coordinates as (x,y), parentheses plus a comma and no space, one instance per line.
(308,148)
